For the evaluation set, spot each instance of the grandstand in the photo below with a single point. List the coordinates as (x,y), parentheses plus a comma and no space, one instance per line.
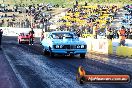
(13,2)
(66,3)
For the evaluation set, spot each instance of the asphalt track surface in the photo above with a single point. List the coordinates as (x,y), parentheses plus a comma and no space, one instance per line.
(35,70)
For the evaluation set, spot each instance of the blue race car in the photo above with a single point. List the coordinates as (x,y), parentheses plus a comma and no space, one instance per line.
(64,43)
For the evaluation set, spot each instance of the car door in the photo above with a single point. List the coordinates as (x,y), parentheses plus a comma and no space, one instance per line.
(46,40)
(44,43)
(49,41)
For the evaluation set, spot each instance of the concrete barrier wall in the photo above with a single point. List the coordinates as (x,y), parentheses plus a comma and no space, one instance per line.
(8,31)
(124,51)
(116,42)
(105,46)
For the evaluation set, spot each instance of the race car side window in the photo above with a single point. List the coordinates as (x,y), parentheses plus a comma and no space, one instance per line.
(50,37)
(54,36)
(46,35)
(74,35)
(21,34)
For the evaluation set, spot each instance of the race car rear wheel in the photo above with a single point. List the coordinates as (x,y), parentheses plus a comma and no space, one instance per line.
(19,41)
(45,52)
(82,55)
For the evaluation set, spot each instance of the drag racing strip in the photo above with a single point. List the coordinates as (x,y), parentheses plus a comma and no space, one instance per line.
(64,68)
(87,63)
(92,59)
(38,71)
(95,67)
(15,71)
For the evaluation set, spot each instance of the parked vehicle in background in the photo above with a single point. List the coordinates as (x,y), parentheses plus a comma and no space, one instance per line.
(23,38)
(49,7)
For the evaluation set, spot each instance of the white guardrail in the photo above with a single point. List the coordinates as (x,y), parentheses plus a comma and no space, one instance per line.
(104,46)
(97,45)
(8,31)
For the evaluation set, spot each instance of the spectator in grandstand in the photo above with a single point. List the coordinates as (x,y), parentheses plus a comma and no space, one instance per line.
(130,35)
(2,22)
(27,23)
(110,35)
(86,3)
(42,36)
(122,35)
(31,35)
(127,33)
(78,33)
(90,26)
(115,34)
(22,24)
(95,30)
(76,2)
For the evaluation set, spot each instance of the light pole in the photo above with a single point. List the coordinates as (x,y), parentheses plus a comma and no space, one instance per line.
(3,1)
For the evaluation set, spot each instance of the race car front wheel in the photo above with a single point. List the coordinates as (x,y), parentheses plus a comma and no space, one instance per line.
(51,54)
(45,52)
(82,55)
(71,55)
(19,41)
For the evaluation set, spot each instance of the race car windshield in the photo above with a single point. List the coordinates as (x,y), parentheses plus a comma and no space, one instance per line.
(23,34)
(63,35)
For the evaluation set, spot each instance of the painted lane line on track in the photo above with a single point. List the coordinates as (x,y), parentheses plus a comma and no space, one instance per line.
(30,79)
(30,55)
(15,71)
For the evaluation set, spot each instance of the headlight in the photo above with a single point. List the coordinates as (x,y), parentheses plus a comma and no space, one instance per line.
(61,46)
(82,46)
(78,46)
(58,46)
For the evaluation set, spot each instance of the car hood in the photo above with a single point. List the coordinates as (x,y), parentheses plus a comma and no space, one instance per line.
(23,36)
(68,41)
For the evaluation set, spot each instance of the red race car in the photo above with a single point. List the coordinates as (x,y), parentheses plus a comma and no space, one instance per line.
(23,38)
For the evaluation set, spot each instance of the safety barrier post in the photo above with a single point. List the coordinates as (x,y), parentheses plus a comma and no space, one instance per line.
(129,52)
(124,51)
(110,47)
